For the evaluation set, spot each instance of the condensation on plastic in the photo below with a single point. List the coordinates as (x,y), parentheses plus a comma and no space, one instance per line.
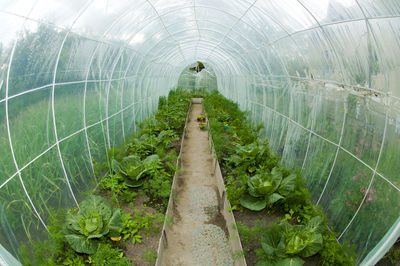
(76,78)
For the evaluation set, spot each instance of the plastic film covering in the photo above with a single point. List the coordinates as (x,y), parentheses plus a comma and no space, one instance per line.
(76,77)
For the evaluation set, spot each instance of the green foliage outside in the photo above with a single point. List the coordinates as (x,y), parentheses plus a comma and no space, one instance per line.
(32,134)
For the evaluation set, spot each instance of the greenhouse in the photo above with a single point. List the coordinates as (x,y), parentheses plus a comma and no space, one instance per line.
(200,132)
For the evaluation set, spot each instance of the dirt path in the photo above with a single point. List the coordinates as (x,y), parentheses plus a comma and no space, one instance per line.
(198,234)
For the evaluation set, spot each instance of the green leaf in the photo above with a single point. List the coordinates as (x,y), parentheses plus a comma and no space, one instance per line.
(97,203)
(116,167)
(274,198)
(315,225)
(295,243)
(133,166)
(72,223)
(93,224)
(262,184)
(115,223)
(276,177)
(294,261)
(151,160)
(252,203)
(262,263)
(287,185)
(250,189)
(252,169)
(95,236)
(80,244)
(133,183)
(304,240)
(272,241)
(313,246)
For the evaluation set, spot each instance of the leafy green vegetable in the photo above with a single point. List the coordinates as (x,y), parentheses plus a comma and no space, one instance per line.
(295,261)
(250,157)
(133,169)
(267,188)
(284,243)
(272,242)
(95,220)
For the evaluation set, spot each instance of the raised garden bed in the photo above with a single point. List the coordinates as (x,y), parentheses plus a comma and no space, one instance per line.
(270,203)
(120,222)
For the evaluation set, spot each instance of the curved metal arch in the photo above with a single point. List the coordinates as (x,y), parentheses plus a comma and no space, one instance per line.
(204,41)
(237,21)
(155,10)
(163,39)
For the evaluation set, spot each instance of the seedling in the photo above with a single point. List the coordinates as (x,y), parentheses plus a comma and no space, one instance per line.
(201,118)
(202,126)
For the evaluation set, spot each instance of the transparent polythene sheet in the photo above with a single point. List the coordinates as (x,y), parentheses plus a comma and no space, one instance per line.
(77,77)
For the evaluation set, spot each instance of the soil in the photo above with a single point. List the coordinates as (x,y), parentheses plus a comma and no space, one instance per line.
(196,183)
(176,145)
(249,219)
(149,242)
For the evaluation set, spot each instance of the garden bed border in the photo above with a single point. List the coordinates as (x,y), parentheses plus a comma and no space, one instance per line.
(163,242)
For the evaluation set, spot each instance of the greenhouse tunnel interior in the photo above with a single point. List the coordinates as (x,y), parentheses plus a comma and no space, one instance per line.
(322,76)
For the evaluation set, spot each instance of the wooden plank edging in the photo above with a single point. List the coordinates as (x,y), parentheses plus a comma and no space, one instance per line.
(234,239)
(163,242)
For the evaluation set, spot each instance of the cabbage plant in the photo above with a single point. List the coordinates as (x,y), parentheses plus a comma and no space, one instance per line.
(285,244)
(266,188)
(133,169)
(95,220)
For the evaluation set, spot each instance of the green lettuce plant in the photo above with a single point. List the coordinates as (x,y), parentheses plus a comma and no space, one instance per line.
(95,220)
(133,169)
(266,188)
(286,244)
(249,157)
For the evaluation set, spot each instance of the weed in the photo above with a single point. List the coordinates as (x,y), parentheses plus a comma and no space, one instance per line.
(333,253)
(107,255)
(393,255)
(141,223)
